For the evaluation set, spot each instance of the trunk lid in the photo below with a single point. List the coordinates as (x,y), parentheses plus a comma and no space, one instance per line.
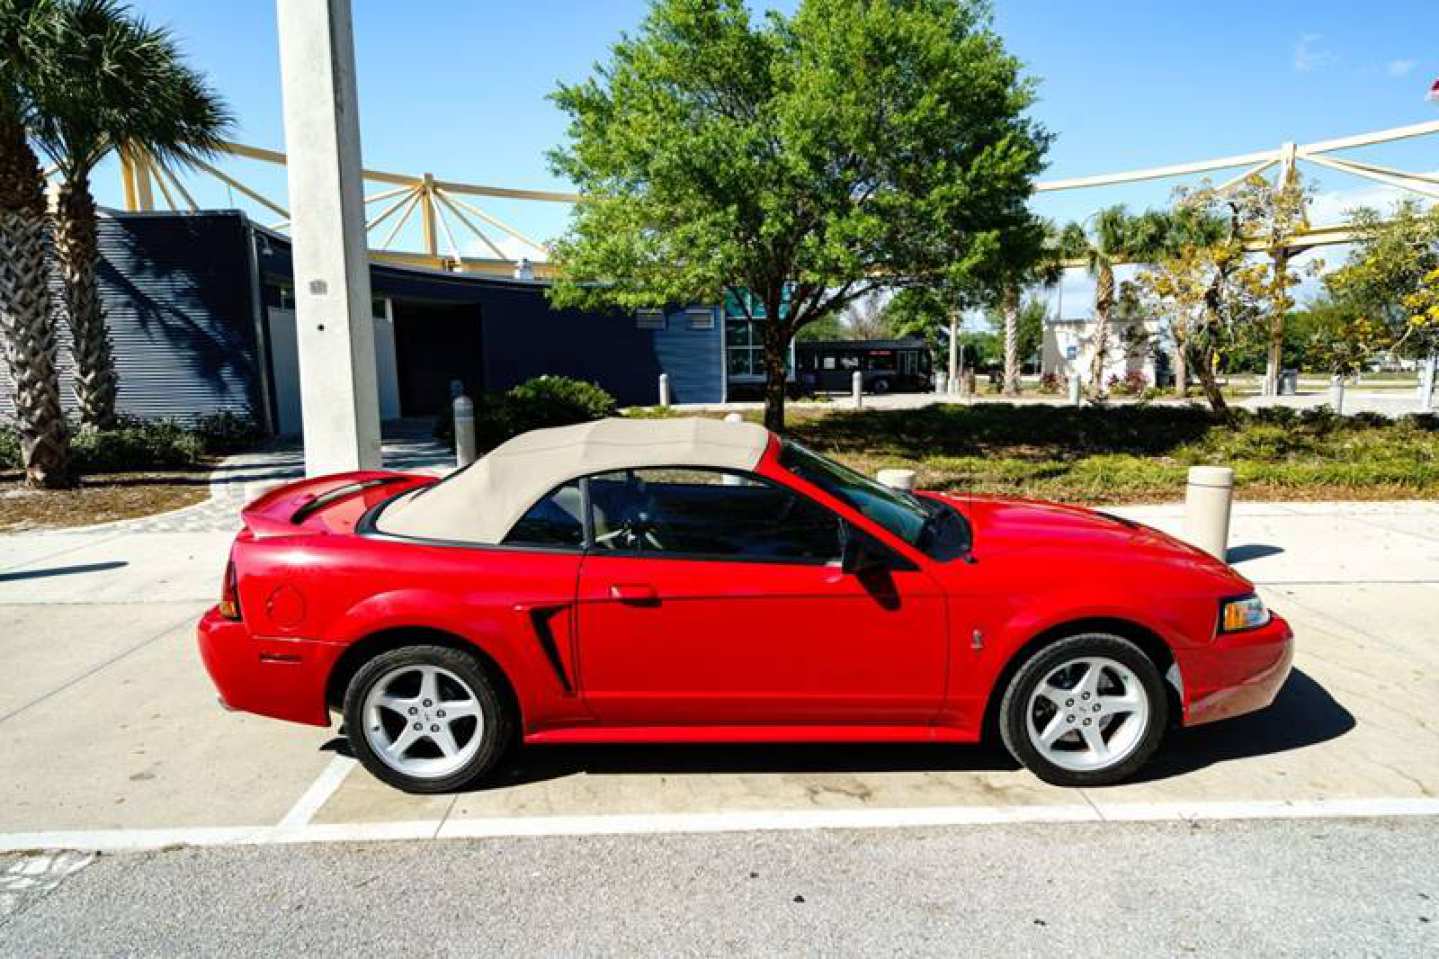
(325,504)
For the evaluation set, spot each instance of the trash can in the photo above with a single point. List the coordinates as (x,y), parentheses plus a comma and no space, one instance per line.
(1288,382)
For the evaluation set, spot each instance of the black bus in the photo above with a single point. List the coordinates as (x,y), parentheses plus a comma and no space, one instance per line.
(888,366)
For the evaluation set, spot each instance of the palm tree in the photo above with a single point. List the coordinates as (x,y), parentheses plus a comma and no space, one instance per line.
(27,328)
(113,82)
(1045,270)
(1117,237)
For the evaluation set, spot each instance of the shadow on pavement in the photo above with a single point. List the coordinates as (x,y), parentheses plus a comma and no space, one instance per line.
(62,571)
(1240,554)
(1302,715)
(539,763)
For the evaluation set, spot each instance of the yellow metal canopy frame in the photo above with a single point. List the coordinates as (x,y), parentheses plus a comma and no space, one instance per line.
(398,196)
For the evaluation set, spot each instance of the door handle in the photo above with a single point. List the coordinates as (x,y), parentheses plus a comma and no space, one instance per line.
(642,594)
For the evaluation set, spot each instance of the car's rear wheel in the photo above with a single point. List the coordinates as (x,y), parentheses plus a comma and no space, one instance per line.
(426,719)
(1088,710)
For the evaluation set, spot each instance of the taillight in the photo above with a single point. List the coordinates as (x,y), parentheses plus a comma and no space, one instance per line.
(230,593)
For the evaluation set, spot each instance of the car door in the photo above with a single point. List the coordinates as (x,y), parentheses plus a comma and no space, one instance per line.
(710,597)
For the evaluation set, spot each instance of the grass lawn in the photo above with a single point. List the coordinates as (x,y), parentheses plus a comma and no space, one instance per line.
(1132,453)
(99,498)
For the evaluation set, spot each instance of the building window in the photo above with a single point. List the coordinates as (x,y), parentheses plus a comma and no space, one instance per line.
(650,320)
(744,349)
(700,319)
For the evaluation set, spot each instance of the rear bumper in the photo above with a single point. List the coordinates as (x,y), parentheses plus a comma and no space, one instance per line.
(1237,674)
(282,678)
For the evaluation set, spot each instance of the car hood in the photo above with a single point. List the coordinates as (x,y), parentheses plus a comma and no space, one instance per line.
(1005,527)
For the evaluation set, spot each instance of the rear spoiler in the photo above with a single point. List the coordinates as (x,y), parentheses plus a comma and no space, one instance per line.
(280,511)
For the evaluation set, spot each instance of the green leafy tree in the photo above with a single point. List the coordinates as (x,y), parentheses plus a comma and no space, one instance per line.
(1211,291)
(1392,274)
(109,80)
(27,326)
(807,160)
(1273,214)
(826,328)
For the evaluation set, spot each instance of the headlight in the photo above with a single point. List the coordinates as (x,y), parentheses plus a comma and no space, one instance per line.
(1248,612)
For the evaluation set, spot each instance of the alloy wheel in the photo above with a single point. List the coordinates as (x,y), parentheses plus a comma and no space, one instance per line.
(1088,713)
(423,721)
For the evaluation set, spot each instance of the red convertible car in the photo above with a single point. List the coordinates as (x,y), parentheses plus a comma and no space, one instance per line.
(690,580)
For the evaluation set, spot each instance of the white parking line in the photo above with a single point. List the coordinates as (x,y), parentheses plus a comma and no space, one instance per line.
(319,793)
(112,840)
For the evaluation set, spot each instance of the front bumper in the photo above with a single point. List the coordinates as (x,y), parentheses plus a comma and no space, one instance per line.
(1238,673)
(282,678)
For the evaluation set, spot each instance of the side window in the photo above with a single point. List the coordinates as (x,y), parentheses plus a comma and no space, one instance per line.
(709,513)
(555,521)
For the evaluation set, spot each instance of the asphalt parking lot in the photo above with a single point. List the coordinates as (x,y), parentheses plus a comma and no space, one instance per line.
(114,740)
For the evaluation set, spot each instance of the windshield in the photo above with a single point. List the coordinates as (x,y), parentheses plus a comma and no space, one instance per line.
(899,512)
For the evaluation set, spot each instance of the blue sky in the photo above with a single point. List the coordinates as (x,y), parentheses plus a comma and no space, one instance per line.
(459,88)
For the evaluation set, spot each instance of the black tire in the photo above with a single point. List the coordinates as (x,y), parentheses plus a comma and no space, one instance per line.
(1017,699)
(495,731)
(879,387)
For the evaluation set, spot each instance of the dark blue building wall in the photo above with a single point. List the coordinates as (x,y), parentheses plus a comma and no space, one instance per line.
(523,336)
(177,293)
(180,294)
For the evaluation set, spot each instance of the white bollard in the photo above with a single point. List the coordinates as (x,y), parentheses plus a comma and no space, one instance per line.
(897,479)
(1073,390)
(1207,499)
(464,431)
(856,388)
(1336,394)
(664,389)
(1426,385)
(941,382)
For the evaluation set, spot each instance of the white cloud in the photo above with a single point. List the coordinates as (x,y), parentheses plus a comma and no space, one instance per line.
(1401,68)
(1310,54)
(1331,207)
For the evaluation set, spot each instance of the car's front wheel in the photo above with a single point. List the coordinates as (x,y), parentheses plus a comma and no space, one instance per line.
(426,719)
(1088,710)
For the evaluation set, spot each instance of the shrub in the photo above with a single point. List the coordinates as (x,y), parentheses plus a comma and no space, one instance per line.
(1051,383)
(9,447)
(534,404)
(135,444)
(556,401)
(1133,383)
(227,432)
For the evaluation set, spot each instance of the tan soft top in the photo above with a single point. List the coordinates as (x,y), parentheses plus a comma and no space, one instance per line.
(480,504)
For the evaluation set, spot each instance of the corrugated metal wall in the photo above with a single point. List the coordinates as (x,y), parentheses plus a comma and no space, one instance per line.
(176,289)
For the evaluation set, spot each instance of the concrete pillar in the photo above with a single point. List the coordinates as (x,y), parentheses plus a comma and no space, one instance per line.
(664,389)
(1336,393)
(856,388)
(941,382)
(1073,382)
(338,391)
(464,431)
(1207,500)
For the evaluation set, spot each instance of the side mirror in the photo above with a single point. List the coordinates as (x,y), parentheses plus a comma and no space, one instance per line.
(858,556)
